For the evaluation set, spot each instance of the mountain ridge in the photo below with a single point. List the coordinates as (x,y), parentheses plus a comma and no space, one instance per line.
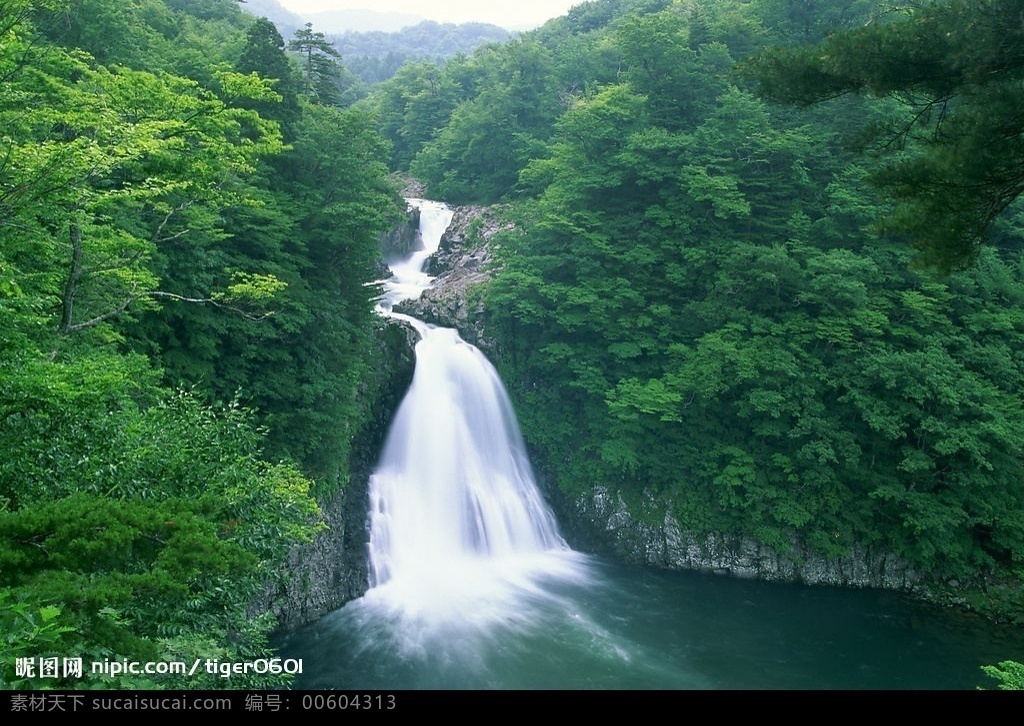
(338,22)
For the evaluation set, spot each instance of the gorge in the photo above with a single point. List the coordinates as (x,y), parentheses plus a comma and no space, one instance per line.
(471,585)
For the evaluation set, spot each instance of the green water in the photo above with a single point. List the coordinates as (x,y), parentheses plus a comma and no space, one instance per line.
(615,628)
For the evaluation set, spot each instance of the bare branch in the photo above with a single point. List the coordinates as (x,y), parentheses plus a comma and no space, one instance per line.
(78,327)
(211,301)
(160,228)
(100,318)
(68,298)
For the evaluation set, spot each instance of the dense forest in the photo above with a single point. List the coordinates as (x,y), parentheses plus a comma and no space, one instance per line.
(189,220)
(375,56)
(765,274)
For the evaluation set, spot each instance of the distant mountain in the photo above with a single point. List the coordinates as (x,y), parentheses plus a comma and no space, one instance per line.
(376,56)
(426,39)
(274,12)
(374,45)
(331,21)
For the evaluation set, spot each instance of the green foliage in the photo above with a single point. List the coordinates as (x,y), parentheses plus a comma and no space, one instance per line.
(412,106)
(376,56)
(30,630)
(807,21)
(661,64)
(165,35)
(327,81)
(952,158)
(477,156)
(112,166)
(264,54)
(1009,674)
(139,523)
(302,367)
(695,307)
(154,231)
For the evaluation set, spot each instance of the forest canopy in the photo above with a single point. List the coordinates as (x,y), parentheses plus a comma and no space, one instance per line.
(716,307)
(954,155)
(189,223)
(700,306)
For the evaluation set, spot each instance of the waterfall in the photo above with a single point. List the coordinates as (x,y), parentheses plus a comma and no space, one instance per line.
(456,517)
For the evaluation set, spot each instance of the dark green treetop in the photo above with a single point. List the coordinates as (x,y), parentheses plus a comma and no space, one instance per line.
(954,160)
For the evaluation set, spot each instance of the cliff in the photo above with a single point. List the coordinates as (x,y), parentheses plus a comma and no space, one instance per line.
(332,570)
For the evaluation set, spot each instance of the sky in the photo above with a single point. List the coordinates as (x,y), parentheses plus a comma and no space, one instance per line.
(511,14)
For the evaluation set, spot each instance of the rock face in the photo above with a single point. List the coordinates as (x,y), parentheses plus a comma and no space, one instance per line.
(656,539)
(403,240)
(462,261)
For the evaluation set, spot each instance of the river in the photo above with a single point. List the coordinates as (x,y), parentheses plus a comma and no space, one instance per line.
(473,587)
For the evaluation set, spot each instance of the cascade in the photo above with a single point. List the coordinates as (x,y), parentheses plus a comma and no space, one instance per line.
(455,513)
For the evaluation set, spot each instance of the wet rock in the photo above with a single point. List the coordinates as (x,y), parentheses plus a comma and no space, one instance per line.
(463,261)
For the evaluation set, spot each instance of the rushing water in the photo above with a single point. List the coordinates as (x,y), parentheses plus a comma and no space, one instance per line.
(473,587)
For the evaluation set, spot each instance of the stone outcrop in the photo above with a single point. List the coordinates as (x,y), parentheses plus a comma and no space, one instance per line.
(655,538)
(403,240)
(462,261)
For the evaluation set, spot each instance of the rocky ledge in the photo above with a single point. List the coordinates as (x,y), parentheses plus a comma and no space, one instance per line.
(463,261)
(656,539)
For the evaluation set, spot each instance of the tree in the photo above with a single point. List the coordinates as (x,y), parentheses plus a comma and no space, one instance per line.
(265,55)
(954,161)
(1009,673)
(478,155)
(811,20)
(692,314)
(318,51)
(139,522)
(412,106)
(316,229)
(106,29)
(113,165)
(145,533)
